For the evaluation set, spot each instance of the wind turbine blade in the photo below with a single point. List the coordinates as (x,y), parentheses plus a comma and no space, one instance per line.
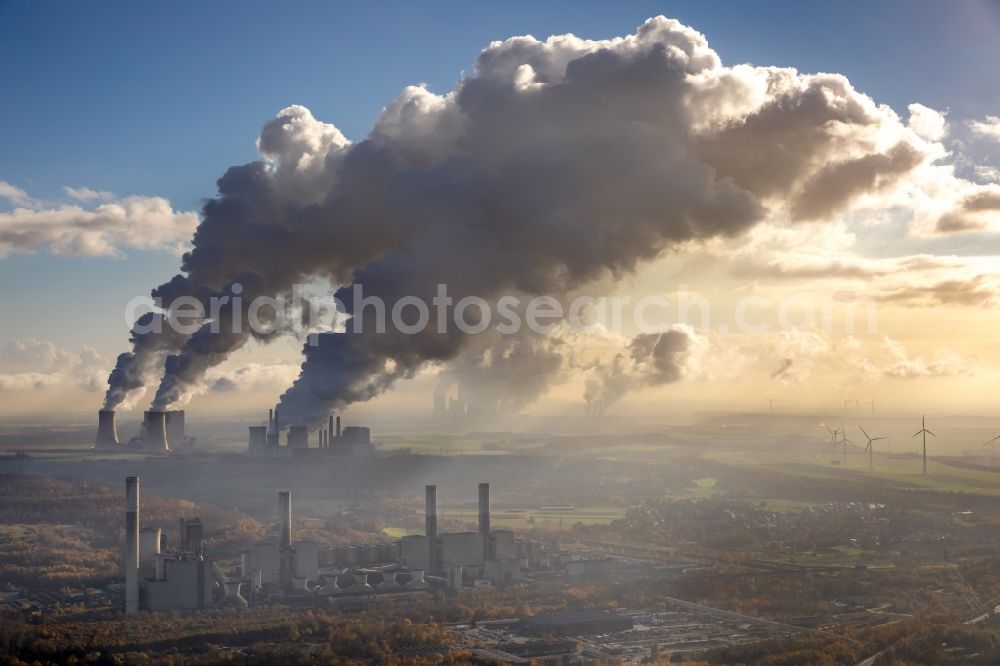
(931,434)
(878,438)
(863,430)
(916,433)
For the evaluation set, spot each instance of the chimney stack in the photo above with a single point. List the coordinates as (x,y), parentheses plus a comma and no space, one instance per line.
(156,431)
(131,545)
(285,518)
(329,428)
(107,432)
(286,564)
(484,516)
(276,429)
(431,512)
(338,427)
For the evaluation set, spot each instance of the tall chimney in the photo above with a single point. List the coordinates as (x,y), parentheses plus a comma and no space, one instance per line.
(338,427)
(277,429)
(484,516)
(329,428)
(285,518)
(431,512)
(131,545)
(270,419)
(286,565)
(156,431)
(107,432)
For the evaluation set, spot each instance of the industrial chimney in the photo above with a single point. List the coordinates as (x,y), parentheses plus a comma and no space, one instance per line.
(484,517)
(329,429)
(285,563)
(285,518)
(156,431)
(107,432)
(131,545)
(430,512)
(338,427)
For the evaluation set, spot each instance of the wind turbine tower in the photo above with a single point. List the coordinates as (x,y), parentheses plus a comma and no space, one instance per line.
(994,443)
(869,448)
(925,431)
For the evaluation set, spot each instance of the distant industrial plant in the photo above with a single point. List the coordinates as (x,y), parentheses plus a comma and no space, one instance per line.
(162,576)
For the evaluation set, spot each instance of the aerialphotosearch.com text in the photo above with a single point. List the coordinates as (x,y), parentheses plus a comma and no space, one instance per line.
(302,312)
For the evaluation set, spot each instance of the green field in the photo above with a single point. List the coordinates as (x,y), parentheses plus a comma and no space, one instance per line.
(903,471)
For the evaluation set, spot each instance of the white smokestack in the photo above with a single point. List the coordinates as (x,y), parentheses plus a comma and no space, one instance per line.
(107,431)
(131,545)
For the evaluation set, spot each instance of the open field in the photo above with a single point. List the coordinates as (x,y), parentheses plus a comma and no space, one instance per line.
(525,519)
(902,471)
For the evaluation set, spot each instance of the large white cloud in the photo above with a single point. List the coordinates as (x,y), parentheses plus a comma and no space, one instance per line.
(38,364)
(109,228)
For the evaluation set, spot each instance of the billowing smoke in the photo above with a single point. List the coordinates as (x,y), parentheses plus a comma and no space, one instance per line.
(554,164)
(503,374)
(650,359)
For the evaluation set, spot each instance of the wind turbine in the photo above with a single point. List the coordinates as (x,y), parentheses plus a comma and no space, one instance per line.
(845,441)
(994,443)
(846,403)
(770,403)
(870,449)
(925,431)
(833,435)
(871,403)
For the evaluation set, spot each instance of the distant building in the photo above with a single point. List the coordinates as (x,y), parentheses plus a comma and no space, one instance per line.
(576,623)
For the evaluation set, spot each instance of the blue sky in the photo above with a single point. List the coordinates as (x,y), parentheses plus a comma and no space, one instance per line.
(159,98)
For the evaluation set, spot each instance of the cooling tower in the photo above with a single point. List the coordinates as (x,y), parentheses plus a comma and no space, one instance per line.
(298,437)
(258,440)
(131,545)
(175,426)
(156,431)
(107,431)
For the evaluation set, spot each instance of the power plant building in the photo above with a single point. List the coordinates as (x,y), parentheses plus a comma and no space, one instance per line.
(161,581)
(265,441)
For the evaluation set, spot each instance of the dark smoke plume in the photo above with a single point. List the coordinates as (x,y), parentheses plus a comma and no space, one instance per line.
(554,164)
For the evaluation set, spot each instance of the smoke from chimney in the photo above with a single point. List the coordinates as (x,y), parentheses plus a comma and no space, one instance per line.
(554,164)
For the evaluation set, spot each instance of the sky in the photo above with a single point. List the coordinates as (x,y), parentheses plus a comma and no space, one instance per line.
(140,107)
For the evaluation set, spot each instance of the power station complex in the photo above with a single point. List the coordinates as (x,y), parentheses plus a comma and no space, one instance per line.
(163,431)
(264,442)
(184,577)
